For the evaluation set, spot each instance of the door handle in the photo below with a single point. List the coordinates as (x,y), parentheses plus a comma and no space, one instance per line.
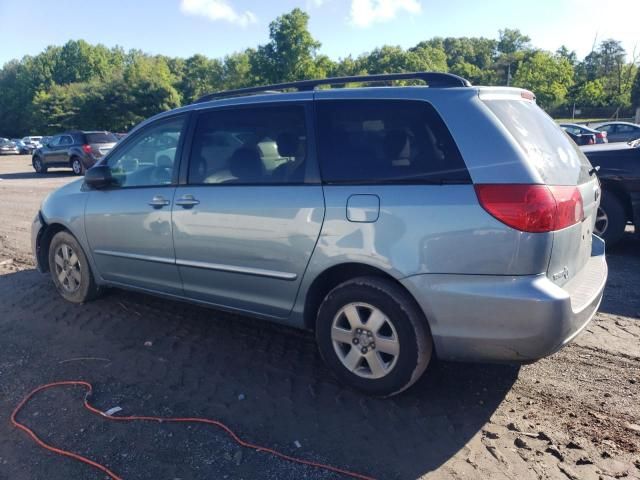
(158,201)
(187,201)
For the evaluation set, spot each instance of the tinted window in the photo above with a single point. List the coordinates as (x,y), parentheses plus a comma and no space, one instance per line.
(606,128)
(626,128)
(101,137)
(65,140)
(386,141)
(149,158)
(257,145)
(555,156)
(54,141)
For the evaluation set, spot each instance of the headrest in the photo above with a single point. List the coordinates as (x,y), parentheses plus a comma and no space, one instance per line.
(287,144)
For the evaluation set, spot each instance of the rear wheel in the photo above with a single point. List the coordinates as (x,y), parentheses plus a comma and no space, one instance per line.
(373,336)
(70,270)
(38,165)
(610,219)
(77,166)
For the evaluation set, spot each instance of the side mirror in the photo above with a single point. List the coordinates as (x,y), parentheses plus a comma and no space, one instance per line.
(98,177)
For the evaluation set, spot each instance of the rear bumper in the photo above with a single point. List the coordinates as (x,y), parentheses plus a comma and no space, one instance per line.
(508,318)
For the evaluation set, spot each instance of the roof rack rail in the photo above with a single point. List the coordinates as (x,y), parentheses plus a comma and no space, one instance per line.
(433,79)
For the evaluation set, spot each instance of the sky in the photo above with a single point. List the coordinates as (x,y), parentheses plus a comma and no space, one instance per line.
(344,27)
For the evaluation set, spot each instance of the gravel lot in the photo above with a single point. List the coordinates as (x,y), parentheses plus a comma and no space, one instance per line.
(574,415)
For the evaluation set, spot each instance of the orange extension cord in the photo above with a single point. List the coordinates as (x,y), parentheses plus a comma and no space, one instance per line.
(207,421)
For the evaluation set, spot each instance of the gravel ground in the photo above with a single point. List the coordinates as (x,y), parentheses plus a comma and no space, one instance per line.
(574,415)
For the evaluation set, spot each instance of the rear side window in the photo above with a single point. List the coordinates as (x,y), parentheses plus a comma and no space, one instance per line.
(250,146)
(386,141)
(101,137)
(554,155)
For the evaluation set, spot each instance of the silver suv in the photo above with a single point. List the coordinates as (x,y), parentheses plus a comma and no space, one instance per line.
(398,223)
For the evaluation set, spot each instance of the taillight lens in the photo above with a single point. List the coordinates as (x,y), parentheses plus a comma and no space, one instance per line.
(86,148)
(601,135)
(532,208)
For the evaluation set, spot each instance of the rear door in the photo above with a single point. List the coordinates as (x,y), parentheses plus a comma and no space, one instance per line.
(559,162)
(51,151)
(245,223)
(129,225)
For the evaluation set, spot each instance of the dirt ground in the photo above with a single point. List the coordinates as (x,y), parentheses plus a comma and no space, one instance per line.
(575,415)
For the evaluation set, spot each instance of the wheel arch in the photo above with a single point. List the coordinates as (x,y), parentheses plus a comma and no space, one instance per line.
(612,188)
(44,242)
(334,276)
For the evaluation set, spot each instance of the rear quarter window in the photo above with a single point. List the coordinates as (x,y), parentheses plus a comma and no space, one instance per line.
(101,137)
(555,156)
(386,141)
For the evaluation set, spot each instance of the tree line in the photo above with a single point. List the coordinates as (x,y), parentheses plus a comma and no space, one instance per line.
(84,86)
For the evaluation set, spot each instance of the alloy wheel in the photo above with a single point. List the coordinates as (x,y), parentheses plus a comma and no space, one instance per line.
(602,222)
(67,268)
(365,340)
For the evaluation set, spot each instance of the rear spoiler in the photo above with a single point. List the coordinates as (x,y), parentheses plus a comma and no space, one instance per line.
(505,93)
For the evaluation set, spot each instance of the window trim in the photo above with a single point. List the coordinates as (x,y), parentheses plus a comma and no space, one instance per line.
(136,135)
(312,170)
(397,182)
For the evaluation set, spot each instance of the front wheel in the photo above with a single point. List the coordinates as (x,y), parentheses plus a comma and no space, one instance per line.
(70,270)
(38,165)
(611,219)
(373,336)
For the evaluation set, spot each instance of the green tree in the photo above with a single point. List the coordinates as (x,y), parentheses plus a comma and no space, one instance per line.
(635,91)
(291,52)
(548,76)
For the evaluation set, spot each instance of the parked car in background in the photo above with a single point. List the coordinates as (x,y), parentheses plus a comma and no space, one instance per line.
(78,150)
(33,141)
(23,147)
(582,138)
(575,129)
(120,136)
(619,175)
(7,147)
(620,131)
(376,217)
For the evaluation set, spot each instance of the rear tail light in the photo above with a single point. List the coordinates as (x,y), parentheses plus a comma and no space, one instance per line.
(532,208)
(601,134)
(86,148)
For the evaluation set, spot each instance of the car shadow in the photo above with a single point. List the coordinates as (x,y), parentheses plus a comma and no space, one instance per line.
(267,381)
(624,264)
(34,175)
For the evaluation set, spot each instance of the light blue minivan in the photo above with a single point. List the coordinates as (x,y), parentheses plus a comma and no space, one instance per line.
(397,222)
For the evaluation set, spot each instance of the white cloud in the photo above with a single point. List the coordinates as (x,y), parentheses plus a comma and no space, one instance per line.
(217,10)
(367,12)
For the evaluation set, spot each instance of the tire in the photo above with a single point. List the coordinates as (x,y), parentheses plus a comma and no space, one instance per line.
(70,270)
(38,165)
(77,166)
(356,355)
(611,219)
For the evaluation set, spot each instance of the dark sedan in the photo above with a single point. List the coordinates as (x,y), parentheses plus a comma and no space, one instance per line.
(620,131)
(582,130)
(619,175)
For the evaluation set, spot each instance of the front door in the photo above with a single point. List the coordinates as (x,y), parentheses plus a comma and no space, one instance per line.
(129,225)
(247,220)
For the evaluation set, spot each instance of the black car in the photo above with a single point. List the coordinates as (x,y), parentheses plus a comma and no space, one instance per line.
(619,176)
(77,150)
(573,129)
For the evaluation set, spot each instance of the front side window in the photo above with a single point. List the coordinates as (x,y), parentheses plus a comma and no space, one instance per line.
(386,141)
(66,140)
(254,145)
(150,157)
